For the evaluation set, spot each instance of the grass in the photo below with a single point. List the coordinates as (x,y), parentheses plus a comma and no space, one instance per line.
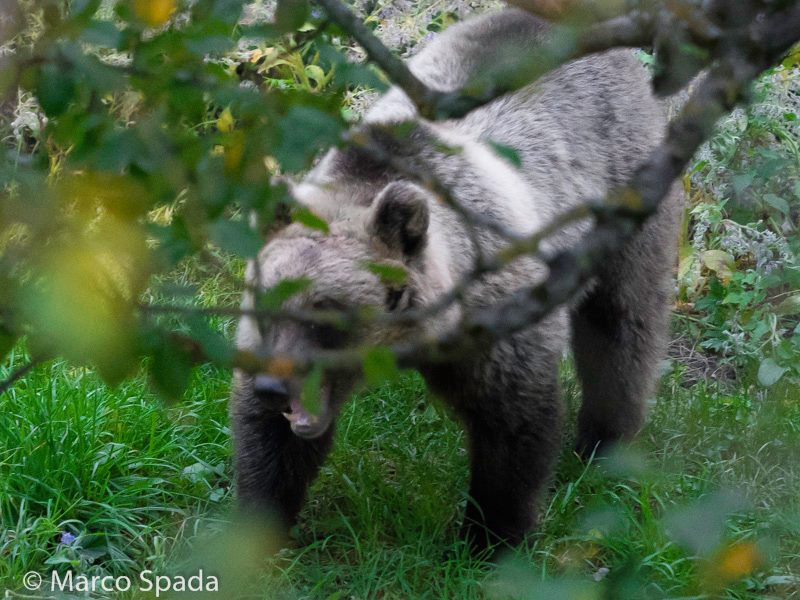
(143,485)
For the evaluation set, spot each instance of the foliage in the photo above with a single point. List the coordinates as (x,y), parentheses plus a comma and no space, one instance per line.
(161,124)
(740,263)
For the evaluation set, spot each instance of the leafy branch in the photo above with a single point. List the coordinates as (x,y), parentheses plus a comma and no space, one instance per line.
(737,52)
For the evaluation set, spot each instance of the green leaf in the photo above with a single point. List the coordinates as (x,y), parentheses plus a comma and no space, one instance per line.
(55,89)
(303,132)
(102,33)
(778,203)
(507,152)
(350,74)
(770,372)
(83,8)
(790,306)
(720,262)
(273,298)
(700,526)
(742,182)
(214,345)
(7,341)
(291,14)
(388,274)
(380,366)
(170,369)
(236,237)
(310,392)
(732,298)
(310,220)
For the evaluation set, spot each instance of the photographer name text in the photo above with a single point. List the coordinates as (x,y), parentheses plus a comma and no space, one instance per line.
(147,581)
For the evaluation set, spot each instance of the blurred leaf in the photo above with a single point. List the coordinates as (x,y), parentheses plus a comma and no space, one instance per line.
(389,274)
(102,33)
(699,526)
(225,121)
(214,345)
(55,89)
(737,560)
(82,306)
(7,341)
(236,237)
(234,554)
(770,372)
(170,368)
(290,15)
(309,219)
(310,392)
(83,8)
(380,366)
(347,74)
(515,579)
(303,132)
(154,13)
(273,298)
(508,153)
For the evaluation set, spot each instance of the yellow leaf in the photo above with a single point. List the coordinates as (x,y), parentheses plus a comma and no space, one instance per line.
(316,73)
(154,12)
(720,262)
(225,121)
(738,560)
(234,152)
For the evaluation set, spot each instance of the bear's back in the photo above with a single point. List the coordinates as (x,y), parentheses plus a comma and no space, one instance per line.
(578,131)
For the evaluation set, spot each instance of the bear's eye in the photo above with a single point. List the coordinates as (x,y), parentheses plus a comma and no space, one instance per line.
(325,335)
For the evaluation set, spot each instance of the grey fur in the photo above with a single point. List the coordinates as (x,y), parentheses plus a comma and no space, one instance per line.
(579,132)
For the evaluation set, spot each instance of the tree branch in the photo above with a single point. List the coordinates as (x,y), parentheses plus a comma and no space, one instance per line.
(617,219)
(422,96)
(633,30)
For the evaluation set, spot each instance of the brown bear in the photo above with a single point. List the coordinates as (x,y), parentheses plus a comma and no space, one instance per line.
(578,133)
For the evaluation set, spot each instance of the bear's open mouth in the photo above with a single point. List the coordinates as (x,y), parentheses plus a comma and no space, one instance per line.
(306,425)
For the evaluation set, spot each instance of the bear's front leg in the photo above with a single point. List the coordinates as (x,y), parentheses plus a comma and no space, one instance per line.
(273,466)
(514,429)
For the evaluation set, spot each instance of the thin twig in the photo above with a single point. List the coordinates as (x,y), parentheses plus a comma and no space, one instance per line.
(18,374)
(379,54)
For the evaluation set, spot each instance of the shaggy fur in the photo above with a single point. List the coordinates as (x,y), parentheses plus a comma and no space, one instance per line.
(579,132)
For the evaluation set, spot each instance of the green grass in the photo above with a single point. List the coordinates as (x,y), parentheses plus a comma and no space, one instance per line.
(143,485)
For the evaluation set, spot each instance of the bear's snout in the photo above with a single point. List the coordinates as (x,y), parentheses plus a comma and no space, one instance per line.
(271,389)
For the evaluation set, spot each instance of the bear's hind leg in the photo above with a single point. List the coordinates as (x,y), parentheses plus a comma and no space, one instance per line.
(620,334)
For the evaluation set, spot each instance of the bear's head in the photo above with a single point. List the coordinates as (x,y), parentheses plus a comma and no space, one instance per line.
(390,230)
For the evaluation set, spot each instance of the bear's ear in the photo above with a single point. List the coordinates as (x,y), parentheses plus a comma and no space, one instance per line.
(400,218)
